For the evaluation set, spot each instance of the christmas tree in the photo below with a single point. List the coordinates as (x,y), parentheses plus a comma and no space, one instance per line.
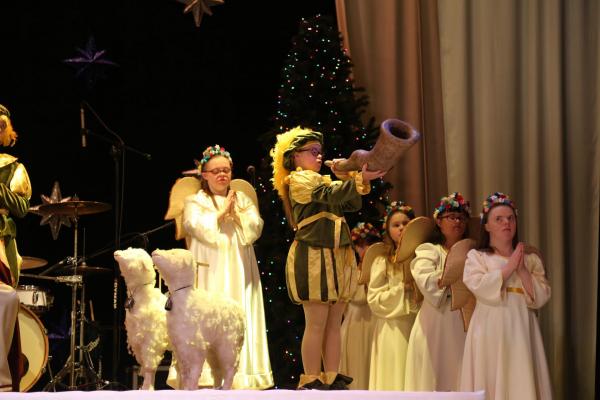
(317,92)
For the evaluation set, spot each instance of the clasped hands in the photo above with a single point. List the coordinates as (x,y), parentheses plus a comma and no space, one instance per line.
(228,211)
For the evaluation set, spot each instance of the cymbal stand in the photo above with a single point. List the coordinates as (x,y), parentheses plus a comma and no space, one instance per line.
(79,363)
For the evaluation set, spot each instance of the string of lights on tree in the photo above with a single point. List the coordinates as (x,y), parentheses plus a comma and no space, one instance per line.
(317,91)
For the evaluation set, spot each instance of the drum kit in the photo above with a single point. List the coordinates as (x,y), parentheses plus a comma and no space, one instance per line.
(35,301)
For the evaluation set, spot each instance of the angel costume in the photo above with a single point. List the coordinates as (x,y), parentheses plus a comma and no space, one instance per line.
(437,339)
(227,265)
(395,311)
(504,353)
(357,337)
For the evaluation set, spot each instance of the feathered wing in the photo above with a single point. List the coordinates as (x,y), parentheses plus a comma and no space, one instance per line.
(240,185)
(375,250)
(462,298)
(182,188)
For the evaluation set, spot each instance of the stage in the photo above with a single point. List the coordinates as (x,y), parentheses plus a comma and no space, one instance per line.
(210,394)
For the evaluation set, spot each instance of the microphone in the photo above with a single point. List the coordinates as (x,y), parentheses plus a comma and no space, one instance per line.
(251,170)
(82,125)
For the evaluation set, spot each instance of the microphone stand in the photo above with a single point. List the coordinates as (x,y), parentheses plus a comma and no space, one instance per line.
(117,151)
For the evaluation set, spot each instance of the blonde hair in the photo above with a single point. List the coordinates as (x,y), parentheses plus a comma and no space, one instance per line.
(8,136)
(280,172)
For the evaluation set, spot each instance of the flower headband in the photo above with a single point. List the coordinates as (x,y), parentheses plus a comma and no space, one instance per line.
(398,206)
(454,202)
(495,199)
(213,151)
(364,231)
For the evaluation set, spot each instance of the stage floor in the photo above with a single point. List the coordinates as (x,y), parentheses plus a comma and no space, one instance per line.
(210,394)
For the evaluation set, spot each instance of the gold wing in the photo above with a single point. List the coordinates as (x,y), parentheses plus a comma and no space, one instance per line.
(462,298)
(416,232)
(182,188)
(240,185)
(373,251)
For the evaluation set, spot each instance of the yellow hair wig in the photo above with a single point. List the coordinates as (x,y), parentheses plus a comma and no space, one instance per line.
(8,136)
(280,172)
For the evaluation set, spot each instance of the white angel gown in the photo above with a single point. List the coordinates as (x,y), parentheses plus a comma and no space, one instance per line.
(227,264)
(395,315)
(504,352)
(357,337)
(437,339)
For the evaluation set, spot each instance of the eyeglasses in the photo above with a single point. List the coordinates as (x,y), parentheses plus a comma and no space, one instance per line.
(313,150)
(217,171)
(454,218)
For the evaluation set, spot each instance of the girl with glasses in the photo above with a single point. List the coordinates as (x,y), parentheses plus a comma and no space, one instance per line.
(221,225)
(437,339)
(321,269)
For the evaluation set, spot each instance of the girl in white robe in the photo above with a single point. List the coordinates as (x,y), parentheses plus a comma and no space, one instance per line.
(221,225)
(393,299)
(504,352)
(437,339)
(359,322)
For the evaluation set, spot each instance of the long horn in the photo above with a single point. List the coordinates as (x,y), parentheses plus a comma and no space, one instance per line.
(395,137)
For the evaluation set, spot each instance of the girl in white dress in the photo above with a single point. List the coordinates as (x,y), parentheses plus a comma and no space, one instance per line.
(504,353)
(359,322)
(221,225)
(437,339)
(394,300)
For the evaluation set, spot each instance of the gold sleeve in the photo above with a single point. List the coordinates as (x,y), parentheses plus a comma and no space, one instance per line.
(20,183)
(361,188)
(302,184)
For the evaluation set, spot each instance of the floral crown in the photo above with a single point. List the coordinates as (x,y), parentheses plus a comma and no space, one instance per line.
(213,151)
(398,206)
(497,198)
(453,202)
(364,231)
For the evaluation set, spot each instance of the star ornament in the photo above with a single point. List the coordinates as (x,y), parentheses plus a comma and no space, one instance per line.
(199,7)
(54,221)
(90,62)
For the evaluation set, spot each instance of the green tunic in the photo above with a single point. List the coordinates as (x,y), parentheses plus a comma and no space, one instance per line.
(321,265)
(15,192)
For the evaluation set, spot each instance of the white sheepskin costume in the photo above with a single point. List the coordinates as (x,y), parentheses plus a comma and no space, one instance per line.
(145,314)
(202,326)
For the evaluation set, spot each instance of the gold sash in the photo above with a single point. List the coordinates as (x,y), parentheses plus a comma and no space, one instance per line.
(331,216)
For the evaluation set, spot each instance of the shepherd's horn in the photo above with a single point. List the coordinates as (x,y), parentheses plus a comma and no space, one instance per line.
(395,137)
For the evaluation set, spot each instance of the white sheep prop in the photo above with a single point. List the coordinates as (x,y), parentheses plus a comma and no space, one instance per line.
(202,326)
(145,315)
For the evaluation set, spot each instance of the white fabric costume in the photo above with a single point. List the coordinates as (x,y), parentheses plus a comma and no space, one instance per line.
(227,264)
(504,352)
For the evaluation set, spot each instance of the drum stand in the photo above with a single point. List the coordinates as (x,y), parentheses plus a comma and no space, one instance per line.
(79,365)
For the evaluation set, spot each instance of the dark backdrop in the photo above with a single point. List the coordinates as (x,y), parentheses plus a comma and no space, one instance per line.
(177,89)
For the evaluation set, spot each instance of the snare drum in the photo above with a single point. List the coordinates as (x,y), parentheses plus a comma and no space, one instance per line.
(35,298)
(34,346)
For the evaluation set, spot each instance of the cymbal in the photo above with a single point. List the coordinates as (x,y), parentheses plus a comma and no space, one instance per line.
(32,262)
(74,208)
(84,270)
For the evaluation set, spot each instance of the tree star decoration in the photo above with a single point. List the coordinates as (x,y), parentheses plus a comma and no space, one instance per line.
(90,63)
(55,221)
(199,7)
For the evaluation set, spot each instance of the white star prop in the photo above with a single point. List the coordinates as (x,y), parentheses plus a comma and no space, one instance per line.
(199,7)
(55,221)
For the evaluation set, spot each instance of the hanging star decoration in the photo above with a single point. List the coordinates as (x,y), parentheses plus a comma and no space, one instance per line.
(90,63)
(199,7)
(55,221)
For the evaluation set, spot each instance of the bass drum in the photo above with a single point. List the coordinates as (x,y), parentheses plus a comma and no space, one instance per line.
(34,346)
